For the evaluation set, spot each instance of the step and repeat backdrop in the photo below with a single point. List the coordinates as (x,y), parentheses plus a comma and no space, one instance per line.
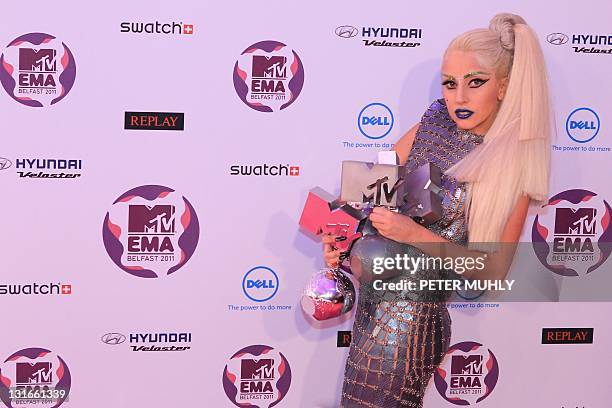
(154,160)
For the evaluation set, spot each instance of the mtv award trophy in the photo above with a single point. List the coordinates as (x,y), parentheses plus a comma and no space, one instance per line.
(330,292)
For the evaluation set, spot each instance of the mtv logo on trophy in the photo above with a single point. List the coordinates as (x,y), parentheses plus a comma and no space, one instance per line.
(377,184)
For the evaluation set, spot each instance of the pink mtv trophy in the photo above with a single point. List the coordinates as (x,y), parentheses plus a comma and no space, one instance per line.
(330,292)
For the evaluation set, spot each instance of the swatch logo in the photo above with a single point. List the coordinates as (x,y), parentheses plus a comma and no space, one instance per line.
(157,28)
(154,121)
(567,335)
(36,289)
(264,170)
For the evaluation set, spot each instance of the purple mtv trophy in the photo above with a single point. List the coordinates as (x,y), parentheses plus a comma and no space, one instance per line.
(330,292)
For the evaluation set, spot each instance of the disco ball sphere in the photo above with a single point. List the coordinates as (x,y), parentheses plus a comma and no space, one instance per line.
(329,293)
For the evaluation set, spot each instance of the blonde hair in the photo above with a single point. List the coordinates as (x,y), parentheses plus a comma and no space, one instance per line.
(514,158)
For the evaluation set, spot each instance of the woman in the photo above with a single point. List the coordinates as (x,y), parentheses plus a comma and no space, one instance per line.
(490,137)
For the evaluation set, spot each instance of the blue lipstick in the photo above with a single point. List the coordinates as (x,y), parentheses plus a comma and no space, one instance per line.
(463,113)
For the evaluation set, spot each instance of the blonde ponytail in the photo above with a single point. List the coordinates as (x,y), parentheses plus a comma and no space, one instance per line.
(514,158)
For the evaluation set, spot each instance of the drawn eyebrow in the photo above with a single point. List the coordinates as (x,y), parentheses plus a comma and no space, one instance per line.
(452,78)
(471,74)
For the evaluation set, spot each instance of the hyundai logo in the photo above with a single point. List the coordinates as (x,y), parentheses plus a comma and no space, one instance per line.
(113,338)
(557,38)
(346,31)
(5,163)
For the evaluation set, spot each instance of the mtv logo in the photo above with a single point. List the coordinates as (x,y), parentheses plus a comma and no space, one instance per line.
(379,184)
(269,67)
(471,365)
(575,222)
(38,373)
(262,369)
(157,219)
(42,60)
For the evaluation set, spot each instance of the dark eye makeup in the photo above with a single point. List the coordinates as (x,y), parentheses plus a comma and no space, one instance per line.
(474,83)
(450,84)
(478,82)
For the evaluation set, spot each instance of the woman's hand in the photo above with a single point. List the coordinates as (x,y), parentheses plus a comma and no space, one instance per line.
(394,226)
(330,253)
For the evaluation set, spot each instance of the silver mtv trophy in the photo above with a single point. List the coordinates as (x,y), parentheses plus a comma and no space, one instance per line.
(330,293)
(415,193)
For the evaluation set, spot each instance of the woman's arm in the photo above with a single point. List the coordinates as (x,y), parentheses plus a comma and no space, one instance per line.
(404,145)
(403,229)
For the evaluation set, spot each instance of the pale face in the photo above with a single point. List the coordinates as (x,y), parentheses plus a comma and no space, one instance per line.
(472,92)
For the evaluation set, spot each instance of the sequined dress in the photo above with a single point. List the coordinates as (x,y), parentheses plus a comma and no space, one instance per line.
(399,338)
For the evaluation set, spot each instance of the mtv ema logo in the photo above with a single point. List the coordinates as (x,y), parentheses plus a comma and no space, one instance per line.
(37,70)
(257,376)
(151,231)
(571,234)
(34,377)
(468,375)
(268,76)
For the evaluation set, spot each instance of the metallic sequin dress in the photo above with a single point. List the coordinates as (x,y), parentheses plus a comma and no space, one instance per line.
(399,338)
